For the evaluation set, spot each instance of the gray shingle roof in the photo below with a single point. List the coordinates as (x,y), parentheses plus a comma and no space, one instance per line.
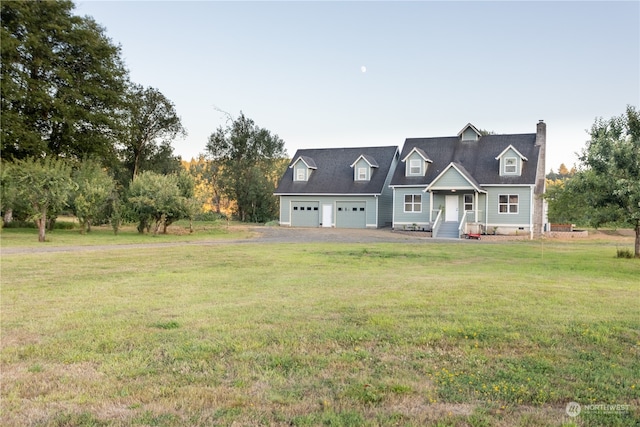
(478,158)
(308,160)
(334,174)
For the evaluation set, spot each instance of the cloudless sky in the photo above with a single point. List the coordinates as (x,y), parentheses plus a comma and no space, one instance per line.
(332,74)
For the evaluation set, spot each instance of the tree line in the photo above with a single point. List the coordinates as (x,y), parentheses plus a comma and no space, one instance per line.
(605,188)
(77,134)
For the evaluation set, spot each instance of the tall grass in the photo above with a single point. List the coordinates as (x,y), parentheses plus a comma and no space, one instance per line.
(320,334)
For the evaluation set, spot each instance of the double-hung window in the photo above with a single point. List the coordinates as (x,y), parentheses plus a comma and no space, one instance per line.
(510,165)
(468,202)
(362,174)
(508,203)
(301,174)
(413,203)
(415,167)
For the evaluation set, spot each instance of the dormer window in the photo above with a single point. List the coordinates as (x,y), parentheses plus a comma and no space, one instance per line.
(510,165)
(363,167)
(415,166)
(302,168)
(511,161)
(416,162)
(362,174)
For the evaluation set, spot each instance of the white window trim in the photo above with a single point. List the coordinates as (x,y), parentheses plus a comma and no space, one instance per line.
(415,163)
(472,203)
(509,204)
(412,203)
(514,165)
(301,174)
(363,175)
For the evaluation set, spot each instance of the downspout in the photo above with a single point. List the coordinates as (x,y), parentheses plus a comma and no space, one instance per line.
(393,208)
(486,212)
(475,195)
(375,196)
(531,209)
(430,207)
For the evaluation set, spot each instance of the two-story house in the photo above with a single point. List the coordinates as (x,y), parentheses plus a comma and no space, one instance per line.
(471,183)
(454,185)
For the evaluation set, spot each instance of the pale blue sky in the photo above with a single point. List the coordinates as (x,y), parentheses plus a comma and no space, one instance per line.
(431,67)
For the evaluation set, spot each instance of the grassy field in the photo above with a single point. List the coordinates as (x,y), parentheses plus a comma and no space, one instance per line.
(441,334)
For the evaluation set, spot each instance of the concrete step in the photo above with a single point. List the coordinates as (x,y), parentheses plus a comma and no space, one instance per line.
(448,230)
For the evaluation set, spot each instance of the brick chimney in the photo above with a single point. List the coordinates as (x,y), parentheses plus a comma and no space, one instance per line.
(539,217)
(541,133)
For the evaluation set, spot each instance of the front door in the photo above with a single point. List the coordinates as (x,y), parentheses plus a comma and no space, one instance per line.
(327,215)
(451,208)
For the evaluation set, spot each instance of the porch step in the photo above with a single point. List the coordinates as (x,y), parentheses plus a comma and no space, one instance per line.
(448,230)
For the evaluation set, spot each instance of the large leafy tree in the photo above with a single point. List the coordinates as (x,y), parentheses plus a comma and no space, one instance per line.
(250,159)
(151,125)
(606,189)
(62,83)
(44,185)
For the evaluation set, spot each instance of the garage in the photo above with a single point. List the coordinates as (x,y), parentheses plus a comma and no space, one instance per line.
(305,214)
(351,214)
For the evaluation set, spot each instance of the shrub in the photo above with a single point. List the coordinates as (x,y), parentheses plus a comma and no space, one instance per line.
(64,225)
(210,216)
(624,253)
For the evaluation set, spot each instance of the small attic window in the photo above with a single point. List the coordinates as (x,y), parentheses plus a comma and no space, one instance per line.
(415,167)
(511,161)
(362,174)
(302,168)
(363,167)
(510,165)
(416,162)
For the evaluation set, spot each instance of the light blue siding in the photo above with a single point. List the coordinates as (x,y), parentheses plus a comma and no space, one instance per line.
(512,154)
(415,156)
(522,218)
(402,218)
(361,164)
(469,135)
(385,200)
(299,166)
(452,179)
(287,204)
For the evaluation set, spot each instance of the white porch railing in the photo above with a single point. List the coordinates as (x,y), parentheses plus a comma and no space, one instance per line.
(462,228)
(436,224)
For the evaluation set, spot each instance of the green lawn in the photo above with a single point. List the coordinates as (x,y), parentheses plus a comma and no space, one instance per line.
(321,334)
(103,235)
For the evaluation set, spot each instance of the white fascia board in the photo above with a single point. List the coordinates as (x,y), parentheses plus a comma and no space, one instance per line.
(328,194)
(452,165)
(365,159)
(300,159)
(514,149)
(508,185)
(415,150)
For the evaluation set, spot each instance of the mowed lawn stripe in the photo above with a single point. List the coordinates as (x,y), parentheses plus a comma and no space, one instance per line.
(321,333)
